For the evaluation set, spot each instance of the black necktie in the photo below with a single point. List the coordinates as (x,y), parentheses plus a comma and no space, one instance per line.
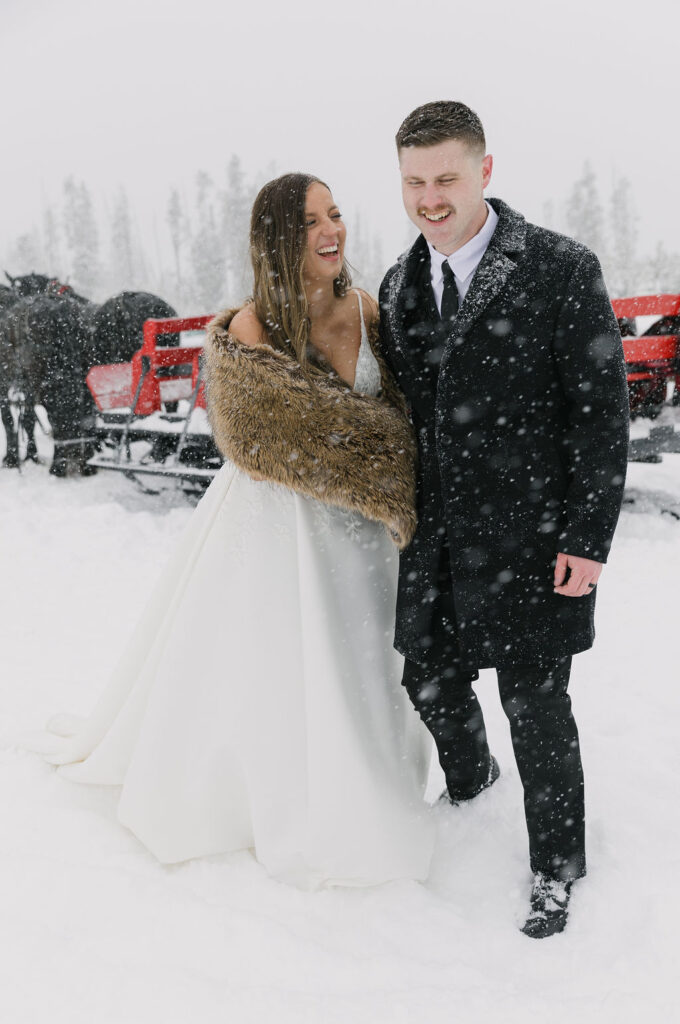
(450,301)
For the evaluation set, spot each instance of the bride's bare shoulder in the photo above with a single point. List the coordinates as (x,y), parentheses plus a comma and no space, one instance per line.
(247,328)
(372,313)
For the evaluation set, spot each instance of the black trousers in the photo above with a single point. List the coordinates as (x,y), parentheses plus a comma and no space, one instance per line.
(544,738)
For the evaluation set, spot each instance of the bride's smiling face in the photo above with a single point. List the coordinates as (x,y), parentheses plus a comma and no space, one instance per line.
(325,235)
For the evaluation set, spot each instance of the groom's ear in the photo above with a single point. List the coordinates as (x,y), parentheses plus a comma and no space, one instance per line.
(487,168)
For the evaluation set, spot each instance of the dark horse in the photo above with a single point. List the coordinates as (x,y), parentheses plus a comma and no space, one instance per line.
(44,342)
(10,370)
(117,325)
(49,339)
(7,297)
(29,284)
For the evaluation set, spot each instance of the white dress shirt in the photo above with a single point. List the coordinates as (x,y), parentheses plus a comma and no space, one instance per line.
(464,261)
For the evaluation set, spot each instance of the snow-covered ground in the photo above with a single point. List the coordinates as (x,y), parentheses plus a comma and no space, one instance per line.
(94,931)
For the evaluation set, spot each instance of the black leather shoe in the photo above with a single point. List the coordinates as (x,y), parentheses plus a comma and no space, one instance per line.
(494,772)
(549,907)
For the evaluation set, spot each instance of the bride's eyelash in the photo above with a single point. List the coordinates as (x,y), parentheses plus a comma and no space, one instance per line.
(334,216)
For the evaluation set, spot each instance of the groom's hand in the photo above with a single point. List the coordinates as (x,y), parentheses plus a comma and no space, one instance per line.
(583,575)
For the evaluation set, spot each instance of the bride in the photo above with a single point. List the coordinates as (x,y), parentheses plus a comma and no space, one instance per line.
(258,703)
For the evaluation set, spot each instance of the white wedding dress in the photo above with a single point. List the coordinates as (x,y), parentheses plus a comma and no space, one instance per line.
(258,703)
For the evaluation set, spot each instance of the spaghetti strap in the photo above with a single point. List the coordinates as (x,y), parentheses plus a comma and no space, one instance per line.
(361,313)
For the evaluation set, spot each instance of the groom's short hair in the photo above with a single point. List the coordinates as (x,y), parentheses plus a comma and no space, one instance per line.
(440,121)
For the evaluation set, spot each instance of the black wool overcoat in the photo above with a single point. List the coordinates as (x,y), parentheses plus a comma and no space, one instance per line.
(521,411)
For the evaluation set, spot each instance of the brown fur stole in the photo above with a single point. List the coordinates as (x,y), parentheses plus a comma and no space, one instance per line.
(310,431)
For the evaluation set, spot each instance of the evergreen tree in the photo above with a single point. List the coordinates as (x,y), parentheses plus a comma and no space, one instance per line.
(357,254)
(53,260)
(179,234)
(661,273)
(622,264)
(82,237)
(27,254)
(549,214)
(207,254)
(366,256)
(585,220)
(124,264)
(378,266)
(236,204)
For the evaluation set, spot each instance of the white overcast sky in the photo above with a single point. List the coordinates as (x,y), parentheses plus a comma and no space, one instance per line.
(143,93)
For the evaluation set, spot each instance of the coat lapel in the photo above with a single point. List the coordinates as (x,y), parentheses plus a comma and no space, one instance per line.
(494,269)
(406,294)
(415,327)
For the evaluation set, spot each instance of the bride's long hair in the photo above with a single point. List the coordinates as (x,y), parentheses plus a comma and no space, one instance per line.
(278,243)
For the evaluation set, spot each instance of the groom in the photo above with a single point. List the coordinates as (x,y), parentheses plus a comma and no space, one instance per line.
(503,339)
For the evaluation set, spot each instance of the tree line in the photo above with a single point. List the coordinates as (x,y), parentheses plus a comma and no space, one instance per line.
(610,228)
(199,264)
(201,261)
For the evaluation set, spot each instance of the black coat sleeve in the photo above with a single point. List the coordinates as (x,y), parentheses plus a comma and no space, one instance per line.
(385,335)
(591,367)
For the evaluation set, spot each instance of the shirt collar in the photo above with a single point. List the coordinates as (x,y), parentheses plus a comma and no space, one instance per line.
(466,259)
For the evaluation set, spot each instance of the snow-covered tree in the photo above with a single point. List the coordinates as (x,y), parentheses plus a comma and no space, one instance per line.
(207,253)
(82,237)
(549,214)
(621,269)
(661,272)
(584,215)
(179,234)
(364,250)
(27,254)
(236,206)
(356,251)
(52,244)
(124,266)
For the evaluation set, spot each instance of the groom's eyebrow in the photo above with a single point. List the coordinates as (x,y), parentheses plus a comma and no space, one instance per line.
(440,177)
